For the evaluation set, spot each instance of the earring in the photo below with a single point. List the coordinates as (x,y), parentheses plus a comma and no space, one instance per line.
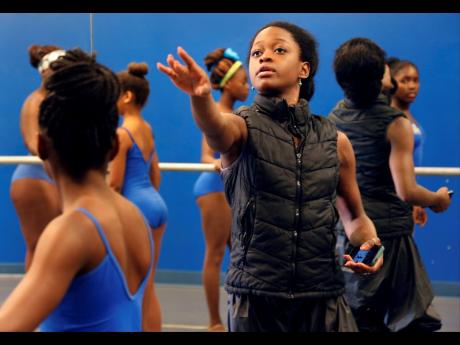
(252,88)
(300,82)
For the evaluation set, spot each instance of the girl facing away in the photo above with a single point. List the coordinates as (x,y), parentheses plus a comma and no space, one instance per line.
(92,269)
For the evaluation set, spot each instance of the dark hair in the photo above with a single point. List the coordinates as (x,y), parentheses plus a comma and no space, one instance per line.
(308,52)
(134,80)
(218,65)
(37,52)
(79,113)
(359,65)
(396,65)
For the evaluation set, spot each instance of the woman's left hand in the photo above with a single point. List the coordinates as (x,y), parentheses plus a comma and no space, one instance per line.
(359,267)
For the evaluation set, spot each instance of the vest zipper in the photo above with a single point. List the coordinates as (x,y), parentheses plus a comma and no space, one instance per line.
(298,157)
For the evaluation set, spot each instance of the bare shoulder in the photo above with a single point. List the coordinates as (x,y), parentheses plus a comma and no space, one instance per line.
(124,140)
(344,147)
(32,103)
(342,139)
(74,225)
(399,127)
(67,238)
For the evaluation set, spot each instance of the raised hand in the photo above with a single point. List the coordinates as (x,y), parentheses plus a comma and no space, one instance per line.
(190,78)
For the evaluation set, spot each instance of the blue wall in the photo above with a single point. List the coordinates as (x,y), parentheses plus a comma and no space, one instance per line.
(17,79)
(430,40)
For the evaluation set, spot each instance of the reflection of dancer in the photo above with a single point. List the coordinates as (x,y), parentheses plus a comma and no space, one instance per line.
(34,194)
(93,263)
(283,168)
(135,171)
(399,296)
(407,77)
(227,75)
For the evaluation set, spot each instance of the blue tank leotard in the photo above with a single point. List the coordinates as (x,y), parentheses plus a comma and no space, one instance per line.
(100,301)
(31,171)
(208,182)
(138,188)
(419,138)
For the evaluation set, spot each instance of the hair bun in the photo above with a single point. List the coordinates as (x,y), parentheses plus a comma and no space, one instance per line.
(37,52)
(138,69)
(213,58)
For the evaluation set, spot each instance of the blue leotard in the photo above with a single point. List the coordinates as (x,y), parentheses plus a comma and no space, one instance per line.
(30,171)
(208,182)
(100,301)
(138,188)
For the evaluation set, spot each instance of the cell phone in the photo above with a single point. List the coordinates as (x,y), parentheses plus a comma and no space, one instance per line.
(369,257)
(450,192)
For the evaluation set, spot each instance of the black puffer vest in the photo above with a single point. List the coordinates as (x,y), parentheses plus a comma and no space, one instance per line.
(283,204)
(367,130)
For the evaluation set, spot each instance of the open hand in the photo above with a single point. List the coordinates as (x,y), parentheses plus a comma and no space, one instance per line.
(190,77)
(359,267)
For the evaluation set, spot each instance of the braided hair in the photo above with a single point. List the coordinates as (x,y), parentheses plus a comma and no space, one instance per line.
(79,113)
(218,65)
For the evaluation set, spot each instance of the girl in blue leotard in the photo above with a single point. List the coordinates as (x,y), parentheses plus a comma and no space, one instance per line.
(407,77)
(227,75)
(135,172)
(32,191)
(92,269)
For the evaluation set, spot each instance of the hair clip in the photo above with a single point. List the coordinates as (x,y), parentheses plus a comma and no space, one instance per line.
(46,61)
(231,54)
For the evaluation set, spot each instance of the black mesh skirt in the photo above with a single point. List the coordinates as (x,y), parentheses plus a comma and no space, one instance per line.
(250,313)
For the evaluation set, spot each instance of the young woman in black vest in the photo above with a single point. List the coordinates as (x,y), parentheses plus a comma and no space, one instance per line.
(399,296)
(283,169)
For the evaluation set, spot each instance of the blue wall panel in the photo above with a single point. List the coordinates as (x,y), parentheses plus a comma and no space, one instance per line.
(17,79)
(430,40)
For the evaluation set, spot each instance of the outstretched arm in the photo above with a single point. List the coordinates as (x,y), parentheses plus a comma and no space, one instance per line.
(224,132)
(358,227)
